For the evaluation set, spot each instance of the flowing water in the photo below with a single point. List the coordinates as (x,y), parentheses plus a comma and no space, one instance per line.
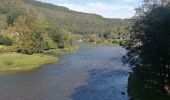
(92,73)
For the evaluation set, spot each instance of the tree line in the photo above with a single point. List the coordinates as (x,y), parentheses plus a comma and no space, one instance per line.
(46,26)
(76,22)
(32,34)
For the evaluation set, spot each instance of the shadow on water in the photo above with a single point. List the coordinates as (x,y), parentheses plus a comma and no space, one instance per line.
(103,84)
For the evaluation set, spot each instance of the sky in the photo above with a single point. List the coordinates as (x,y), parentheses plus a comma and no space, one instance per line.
(106,8)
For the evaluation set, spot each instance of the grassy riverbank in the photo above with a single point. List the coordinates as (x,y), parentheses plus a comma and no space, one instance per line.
(104,43)
(65,50)
(108,42)
(15,61)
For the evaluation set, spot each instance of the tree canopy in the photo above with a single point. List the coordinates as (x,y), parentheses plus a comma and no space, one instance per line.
(149,47)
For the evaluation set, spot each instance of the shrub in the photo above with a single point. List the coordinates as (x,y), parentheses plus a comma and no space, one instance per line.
(4,40)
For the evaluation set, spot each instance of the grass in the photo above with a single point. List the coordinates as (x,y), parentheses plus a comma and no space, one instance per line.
(15,61)
(5,49)
(65,50)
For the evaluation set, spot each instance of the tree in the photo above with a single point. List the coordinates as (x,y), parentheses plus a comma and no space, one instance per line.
(61,36)
(11,17)
(22,38)
(48,42)
(149,47)
(30,38)
(4,40)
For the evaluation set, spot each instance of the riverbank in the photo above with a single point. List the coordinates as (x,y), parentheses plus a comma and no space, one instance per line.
(17,62)
(65,50)
(104,44)
(10,61)
(92,73)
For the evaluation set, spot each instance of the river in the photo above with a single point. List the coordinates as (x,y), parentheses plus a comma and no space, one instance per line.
(92,73)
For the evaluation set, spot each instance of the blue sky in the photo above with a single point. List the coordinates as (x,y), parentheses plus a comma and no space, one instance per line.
(106,8)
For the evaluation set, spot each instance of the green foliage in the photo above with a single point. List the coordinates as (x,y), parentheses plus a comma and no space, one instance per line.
(75,22)
(32,40)
(137,92)
(62,37)
(11,17)
(4,40)
(65,50)
(39,35)
(48,42)
(46,26)
(148,50)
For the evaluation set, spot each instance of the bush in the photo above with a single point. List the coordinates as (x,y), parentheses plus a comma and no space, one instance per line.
(4,40)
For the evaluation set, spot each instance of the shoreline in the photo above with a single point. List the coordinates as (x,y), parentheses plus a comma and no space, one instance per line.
(49,60)
(13,62)
(25,68)
(17,62)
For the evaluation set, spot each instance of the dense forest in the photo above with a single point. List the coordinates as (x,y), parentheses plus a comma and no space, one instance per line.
(75,22)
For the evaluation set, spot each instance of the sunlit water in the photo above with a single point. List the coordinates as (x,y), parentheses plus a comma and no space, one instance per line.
(92,73)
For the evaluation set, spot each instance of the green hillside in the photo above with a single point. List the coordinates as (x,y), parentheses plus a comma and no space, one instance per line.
(58,16)
(31,26)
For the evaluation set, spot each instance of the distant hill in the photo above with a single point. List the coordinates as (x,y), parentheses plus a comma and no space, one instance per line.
(77,22)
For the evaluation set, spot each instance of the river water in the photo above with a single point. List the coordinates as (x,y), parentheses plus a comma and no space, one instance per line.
(92,73)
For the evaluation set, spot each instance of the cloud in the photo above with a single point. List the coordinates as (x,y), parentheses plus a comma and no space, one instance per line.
(102,6)
(106,10)
(117,9)
(129,1)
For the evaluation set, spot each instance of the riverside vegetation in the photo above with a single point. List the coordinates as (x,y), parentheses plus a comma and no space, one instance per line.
(14,61)
(149,52)
(32,29)
(29,30)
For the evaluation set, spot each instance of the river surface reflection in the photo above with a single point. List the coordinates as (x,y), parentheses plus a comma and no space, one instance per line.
(92,73)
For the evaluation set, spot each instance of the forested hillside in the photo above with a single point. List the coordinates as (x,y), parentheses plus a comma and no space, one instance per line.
(57,16)
(31,26)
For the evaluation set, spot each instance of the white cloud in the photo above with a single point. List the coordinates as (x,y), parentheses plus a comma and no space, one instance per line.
(106,10)
(100,5)
(123,9)
(129,1)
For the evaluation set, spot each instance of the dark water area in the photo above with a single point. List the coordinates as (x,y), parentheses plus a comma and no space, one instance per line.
(92,73)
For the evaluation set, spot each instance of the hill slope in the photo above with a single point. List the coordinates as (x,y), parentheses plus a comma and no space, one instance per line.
(58,16)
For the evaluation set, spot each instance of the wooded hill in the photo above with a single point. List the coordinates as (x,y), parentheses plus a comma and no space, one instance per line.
(57,16)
